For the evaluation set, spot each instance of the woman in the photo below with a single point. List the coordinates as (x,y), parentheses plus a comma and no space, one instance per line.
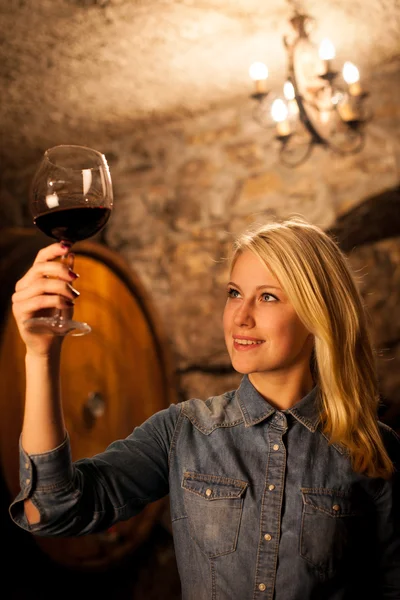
(283,489)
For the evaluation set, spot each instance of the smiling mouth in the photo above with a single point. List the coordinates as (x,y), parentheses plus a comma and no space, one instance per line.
(247,342)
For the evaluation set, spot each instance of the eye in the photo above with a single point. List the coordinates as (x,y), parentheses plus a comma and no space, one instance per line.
(232,293)
(268,297)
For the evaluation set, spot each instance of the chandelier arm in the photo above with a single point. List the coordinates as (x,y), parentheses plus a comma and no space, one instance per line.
(360,142)
(259,117)
(284,155)
(367,115)
(304,118)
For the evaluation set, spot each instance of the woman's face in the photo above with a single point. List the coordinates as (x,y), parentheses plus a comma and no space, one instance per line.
(262,330)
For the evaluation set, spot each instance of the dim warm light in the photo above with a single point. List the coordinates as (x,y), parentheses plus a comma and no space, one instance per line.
(288,90)
(351,75)
(327,50)
(279,111)
(258,71)
(290,95)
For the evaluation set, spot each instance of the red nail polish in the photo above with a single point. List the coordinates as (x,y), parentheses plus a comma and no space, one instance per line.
(65,244)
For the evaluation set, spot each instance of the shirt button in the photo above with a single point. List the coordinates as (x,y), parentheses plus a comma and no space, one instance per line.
(27,481)
(336,507)
(268,537)
(208,492)
(26,465)
(262,587)
(275,447)
(271,487)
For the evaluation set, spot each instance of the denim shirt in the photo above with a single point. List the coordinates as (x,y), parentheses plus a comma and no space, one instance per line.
(262,506)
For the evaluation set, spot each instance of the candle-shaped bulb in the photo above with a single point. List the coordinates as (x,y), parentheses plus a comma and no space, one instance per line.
(351,75)
(279,113)
(290,95)
(288,90)
(327,50)
(259,73)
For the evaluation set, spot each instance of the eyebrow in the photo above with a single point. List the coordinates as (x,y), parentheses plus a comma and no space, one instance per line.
(259,287)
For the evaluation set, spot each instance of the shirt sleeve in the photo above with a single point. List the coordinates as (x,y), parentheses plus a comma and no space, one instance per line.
(91,494)
(388,524)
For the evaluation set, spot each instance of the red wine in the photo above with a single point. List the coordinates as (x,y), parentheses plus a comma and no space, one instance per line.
(73,224)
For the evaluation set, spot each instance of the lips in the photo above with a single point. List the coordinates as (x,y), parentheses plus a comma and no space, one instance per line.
(246,338)
(246,343)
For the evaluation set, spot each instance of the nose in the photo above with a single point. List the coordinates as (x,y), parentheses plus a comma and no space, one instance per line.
(243,316)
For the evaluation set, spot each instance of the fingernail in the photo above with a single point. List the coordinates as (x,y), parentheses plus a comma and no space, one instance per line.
(70,302)
(65,244)
(73,290)
(73,274)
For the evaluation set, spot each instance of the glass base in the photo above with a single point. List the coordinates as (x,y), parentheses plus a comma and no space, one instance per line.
(57,326)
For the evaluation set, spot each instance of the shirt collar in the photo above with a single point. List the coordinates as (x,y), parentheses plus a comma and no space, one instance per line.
(255,408)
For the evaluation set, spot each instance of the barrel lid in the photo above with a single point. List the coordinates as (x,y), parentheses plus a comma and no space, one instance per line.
(112,379)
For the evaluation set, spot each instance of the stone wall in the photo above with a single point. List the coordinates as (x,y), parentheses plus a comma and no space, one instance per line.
(183,192)
(183,189)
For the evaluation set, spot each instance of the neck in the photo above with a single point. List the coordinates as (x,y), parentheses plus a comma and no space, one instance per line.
(280,390)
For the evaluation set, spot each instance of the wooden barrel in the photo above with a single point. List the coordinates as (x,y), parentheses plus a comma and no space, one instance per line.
(112,379)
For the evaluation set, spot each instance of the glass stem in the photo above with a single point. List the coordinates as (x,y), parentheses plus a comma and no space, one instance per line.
(63,314)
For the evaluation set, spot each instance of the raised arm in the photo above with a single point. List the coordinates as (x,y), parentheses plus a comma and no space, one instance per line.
(46,286)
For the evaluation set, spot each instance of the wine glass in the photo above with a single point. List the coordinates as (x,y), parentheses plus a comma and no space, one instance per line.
(71,199)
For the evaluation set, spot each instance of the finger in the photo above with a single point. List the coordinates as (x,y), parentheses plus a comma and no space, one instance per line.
(28,309)
(46,293)
(51,252)
(42,287)
(53,269)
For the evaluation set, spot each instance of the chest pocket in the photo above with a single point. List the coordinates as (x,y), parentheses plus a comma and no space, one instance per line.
(331,523)
(213,507)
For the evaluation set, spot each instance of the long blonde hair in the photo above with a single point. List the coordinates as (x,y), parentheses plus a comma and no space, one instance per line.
(315,275)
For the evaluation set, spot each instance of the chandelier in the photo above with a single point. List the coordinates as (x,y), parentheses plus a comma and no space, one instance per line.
(318,105)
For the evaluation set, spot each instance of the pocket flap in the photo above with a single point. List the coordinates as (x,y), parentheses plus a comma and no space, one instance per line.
(332,502)
(212,487)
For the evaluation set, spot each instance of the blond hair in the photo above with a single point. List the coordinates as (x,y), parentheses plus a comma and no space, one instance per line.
(315,275)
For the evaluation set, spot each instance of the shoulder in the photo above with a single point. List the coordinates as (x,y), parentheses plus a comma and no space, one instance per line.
(391,441)
(216,411)
(166,416)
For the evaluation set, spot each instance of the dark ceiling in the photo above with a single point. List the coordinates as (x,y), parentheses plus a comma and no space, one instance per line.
(80,65)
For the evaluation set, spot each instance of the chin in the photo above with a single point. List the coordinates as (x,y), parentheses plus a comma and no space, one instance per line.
(242,371)
(242,368)
(248,368)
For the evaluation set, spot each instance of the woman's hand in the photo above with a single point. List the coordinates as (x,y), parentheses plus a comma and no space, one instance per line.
(45,287)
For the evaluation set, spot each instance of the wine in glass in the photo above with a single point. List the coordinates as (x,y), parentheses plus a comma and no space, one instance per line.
(71,199)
